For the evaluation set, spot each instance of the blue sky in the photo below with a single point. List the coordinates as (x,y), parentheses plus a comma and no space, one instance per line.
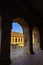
(16,28)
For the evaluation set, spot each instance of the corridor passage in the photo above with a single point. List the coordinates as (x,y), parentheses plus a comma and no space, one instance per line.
(36,59)
(16,53)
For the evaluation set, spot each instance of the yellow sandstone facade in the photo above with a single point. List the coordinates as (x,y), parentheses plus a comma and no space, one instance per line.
(17,39)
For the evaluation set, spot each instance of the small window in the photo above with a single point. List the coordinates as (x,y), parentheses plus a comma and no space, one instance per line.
(19,40)
(16,40)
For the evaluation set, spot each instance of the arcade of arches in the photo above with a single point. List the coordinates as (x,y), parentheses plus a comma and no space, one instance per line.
(31,34)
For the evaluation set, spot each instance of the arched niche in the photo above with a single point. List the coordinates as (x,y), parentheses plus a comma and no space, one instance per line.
(36,39)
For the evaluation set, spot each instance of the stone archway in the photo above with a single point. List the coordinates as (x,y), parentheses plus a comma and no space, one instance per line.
(6,25)
(25,33)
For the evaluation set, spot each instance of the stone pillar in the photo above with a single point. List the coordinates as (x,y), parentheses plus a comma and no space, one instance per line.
(20,39)
(26,40)
(14,39)
(17,39)
(5,41)
(41,36)
(31,45)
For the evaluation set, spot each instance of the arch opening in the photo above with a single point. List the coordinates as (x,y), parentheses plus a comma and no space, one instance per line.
(23,48)
(17,36)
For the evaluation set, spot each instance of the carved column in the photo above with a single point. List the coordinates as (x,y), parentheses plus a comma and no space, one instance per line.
(5,41)
(31,46)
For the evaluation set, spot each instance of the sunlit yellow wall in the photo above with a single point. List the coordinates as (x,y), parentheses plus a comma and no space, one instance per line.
(18,37)
(33,38)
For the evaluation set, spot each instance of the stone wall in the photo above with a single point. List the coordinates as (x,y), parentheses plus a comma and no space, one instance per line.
(36,39)
(0,34)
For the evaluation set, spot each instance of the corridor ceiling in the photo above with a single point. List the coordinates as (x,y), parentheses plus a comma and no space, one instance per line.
(32,9)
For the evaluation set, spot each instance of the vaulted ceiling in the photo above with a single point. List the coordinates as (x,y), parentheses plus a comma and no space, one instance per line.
(29,9)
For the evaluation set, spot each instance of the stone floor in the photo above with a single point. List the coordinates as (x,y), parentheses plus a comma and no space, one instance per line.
(36,59)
